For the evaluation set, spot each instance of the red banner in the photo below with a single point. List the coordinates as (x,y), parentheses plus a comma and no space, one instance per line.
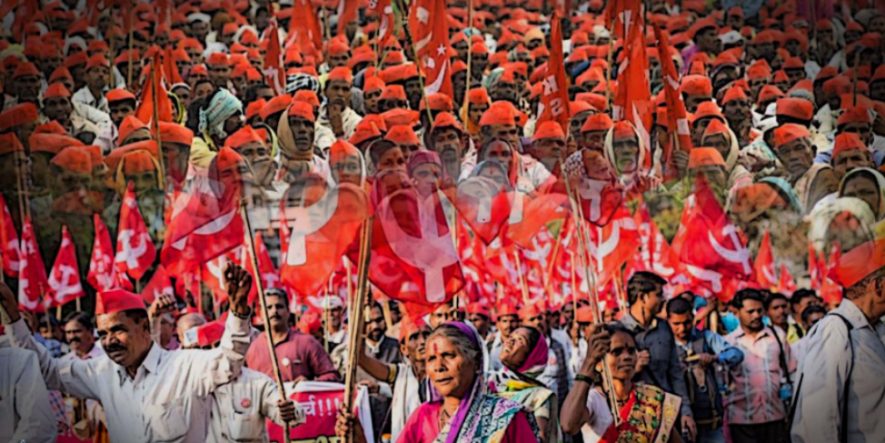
(319,401)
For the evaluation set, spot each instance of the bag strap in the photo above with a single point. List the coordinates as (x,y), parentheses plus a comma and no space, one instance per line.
(781,356)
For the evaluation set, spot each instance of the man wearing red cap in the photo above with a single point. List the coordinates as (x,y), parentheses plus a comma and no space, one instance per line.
(811,181)
(148,393)
(548,144)
(81,121)
(839,394)
(97,80)
(478,315)
(506,321)
(337,113)
(448,139)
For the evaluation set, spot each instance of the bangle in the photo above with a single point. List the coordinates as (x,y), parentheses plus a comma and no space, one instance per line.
(242,317)
(581,377)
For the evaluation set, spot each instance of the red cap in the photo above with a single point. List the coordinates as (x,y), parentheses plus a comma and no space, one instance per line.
(498,115)
(479,96)
(373,84)
(173,133)
(24,69)
(860,262)
(769,93)
(585,314)
(533,309)
(789,133)
(597,122)
(478,308)
(446,120)
(505,308)
(399,116)
(254,108)
(307,96)
(218,59)
(847,141)
(393,92)
(129,125)
(438,102)
(303,110)
(56,90)
(402,135)
(117,300)
(547,130)
(18,115)
(117,95)
(51,143)
(696,85)
(60,73)
(853,114)
(277,104)
(705,157)
(242,137)
(797,108)
(734,94)
(50,127)
(9,143)
(364,131)
(340,74)
(74,159)
(97,60)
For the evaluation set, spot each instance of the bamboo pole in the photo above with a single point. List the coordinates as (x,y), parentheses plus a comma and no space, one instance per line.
(590,277)
(414,56)
(260,287)
(154,84)
(355,334)
(131,38)
(466,105)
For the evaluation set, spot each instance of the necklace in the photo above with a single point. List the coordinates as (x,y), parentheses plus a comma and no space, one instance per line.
(443,418)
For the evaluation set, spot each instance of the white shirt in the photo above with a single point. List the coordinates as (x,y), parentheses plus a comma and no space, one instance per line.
(170,397)
(25,413)
(241,406)
(84,96)
(828,357)
(95,412)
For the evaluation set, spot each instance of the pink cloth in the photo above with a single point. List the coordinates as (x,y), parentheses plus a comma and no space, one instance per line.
(299,355)
(423,427)
(755,398)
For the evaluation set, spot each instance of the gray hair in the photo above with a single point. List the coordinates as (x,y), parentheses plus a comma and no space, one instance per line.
(466,346)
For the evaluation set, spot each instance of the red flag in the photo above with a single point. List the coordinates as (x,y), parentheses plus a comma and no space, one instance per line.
(135,250)
(160,284)
(212,275)
(655,256)
(285,233)
(205,220)
(347,13)
(487,206)
(413,253)
(102,272)
(386,19)
(269,275)
(145,111)
(554,98)
(632,102)
(814,272)
(431,31)
(597,188)
(170,69)
(538,213)
(9,246)
(677,120)
(273,61)
(305,27)
(64,278)
(563,7)
(324,227)
(33,285)
(612,245)
(766,274)
(786,285)
(708,243)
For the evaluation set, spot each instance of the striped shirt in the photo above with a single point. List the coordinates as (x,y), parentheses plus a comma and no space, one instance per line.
(755,396)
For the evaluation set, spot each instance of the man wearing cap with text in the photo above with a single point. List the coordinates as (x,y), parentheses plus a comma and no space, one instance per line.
(149,394)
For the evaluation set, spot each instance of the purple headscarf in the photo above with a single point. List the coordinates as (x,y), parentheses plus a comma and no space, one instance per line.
(418,158)
(475,390)
(537,360)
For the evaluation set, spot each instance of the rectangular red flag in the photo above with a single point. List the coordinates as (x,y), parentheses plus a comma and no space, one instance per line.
(9,246)
(33,285)
(431,36)
(632,102)
(305,27)
(554,98)
(145,111)
(273,62)
(347,13)
(677,116)
(64,278)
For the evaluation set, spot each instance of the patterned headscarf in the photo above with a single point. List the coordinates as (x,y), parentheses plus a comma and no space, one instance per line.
(221,107)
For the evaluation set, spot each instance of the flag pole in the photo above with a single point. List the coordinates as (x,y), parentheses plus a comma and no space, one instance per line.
(112,56)
(466,105)
(414,56)
(355,332)
(260,287)
(154,84)
(521,278)
(590,278)
(131,38)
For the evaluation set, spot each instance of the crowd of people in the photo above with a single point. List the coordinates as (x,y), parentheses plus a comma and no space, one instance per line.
(573,221)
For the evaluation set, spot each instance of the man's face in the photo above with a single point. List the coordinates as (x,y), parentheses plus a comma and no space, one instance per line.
(339,60)
(626,154)
(777,311)
(376,326)
(121,110)
(124,340)
(219,75)
(476,110)
(736,110)
(681,325)
(507,324)
(338,93)
(98,77)
(277,311)
(845,161)
(143,182)
(804,303)
(335,317)
(538,322)
(58,109)
(549,149)
(80,338)
(707,40)
(692,101)
(594,140)
(371,100)
(505,91)
(863,130)
(568,313)
(441,316)
(750,315)
(412,87)
(480,322)
(28,88)
(797,156)
(199,30)
(654,300)
(303,132)
(508,133)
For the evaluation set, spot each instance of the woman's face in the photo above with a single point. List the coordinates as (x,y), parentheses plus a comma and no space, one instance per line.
(494,174)
(348,170)
(499,151)
(393,158)
(450,372)
(516,349)
(426,177)
(862,187)
(621,357)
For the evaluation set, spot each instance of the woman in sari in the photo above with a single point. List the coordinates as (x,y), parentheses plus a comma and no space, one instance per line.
(524,358)
(464,411)
(646,413)
(868,185)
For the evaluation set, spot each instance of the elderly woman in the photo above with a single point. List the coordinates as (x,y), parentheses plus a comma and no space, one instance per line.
(524,358)
(868,185)
(647,413)
(463,411)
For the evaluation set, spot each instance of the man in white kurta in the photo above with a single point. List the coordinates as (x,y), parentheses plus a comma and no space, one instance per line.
(169,396)
(25,413)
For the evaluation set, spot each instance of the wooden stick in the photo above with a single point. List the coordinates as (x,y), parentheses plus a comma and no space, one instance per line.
(112,56)
(590,277)
(156,110)
(414,56)
(466,106)
(131,37)
(260,287)
(355,334)
(521,278)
